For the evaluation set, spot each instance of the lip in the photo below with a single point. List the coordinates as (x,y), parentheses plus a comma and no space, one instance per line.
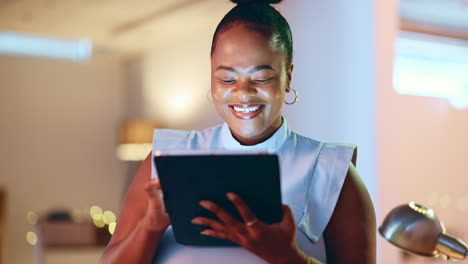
(249,115)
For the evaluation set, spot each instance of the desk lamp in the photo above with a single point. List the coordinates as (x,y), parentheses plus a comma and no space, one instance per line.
(416,229)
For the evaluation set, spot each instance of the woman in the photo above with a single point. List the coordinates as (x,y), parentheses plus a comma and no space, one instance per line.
(328,216)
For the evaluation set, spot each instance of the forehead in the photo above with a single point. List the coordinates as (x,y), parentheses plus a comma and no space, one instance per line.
(241,46)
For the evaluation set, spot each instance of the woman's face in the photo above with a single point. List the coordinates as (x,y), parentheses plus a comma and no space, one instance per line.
(249,78)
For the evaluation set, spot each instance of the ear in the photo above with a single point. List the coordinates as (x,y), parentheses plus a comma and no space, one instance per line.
(289,76)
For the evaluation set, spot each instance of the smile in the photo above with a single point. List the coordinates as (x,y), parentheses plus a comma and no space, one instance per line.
(246,112)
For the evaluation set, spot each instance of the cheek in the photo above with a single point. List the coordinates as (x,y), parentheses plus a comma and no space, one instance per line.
(215,94)
(220,96)
(276,105)
(273,95)
(276,100)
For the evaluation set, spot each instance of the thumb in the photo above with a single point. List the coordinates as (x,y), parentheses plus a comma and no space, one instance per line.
(288,218)
(153,188)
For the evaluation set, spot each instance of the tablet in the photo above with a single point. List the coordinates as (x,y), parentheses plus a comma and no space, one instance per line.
(188,179)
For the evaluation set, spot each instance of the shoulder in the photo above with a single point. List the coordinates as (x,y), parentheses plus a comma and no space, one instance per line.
(328,170)
(330,148)
(332,157)
(350,234)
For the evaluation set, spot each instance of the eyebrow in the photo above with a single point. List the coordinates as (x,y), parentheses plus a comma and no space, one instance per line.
(258,68)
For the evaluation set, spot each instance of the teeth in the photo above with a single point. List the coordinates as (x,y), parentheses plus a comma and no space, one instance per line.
(247,109)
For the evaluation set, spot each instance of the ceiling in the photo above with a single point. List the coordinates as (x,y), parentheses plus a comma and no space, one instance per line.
(121,25)
(131,26)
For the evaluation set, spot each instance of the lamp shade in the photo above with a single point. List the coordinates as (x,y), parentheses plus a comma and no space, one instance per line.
(136,138)
(137,131)
(416,229)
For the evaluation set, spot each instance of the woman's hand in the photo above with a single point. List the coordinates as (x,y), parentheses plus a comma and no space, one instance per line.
(156,218)
(274,243)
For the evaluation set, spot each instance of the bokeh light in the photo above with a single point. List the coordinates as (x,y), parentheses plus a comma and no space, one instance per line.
(99,222)
(31,238)
(95,212)
(112,227)
(32,217)
(108,217)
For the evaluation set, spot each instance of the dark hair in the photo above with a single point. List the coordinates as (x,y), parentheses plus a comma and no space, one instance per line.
(261,17)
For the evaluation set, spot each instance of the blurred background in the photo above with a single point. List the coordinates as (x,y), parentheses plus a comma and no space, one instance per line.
(83,83)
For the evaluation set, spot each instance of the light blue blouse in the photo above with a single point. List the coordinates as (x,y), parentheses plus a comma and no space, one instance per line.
(312,175)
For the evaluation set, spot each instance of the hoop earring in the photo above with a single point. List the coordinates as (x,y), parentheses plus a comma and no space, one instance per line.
(296,97)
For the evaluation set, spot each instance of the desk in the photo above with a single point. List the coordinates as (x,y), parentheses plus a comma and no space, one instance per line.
(64,238)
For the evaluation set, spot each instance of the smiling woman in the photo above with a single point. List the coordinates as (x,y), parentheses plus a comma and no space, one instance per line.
(249,80)
(327,216)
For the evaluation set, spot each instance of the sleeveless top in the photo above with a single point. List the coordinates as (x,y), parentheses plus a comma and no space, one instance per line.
(312,175)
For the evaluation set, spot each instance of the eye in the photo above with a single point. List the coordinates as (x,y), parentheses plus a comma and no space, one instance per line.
(262,80)
(228,81)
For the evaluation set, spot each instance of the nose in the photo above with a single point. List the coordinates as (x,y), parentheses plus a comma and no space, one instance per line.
(244,90)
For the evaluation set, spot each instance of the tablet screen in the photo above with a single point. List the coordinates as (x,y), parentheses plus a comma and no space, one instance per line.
(188,179)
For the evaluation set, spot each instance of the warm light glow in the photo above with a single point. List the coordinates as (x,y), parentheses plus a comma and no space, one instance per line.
(112,227)
(179,101)
(133,152)
(31,238)
(99,222)
(32,217)
(108,217)
(95,212)
(177,92)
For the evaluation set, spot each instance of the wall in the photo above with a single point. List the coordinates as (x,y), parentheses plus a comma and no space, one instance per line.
(176,82)
(335,75)
(423,147)
(58,137)
(343,58)
(388,186)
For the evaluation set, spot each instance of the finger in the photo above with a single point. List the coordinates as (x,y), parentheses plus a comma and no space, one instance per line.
(222,214)
(213,233)
(288,217)
(213,224)
(153,183)
(153,189)
(244,211)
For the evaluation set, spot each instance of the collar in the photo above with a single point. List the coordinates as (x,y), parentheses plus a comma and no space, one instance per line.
(272,144)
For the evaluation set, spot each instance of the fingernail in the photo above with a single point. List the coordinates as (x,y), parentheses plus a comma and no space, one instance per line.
(204,204)
(231,196)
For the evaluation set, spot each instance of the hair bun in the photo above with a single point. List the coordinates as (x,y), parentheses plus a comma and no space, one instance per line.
(255,1)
